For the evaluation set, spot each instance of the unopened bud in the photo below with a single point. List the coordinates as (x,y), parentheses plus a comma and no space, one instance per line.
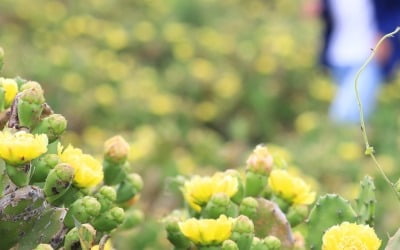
(297,214)
(218,204)
(116,149)
(109,220)
(43,165)
(107,197)
(58,181)
(229,245)
(131,186)
(174,234)
(272,243)
(43,246)
(260,160)
(53,126)
(132,218)
(82,210)
(249,207)
(30,106)
(243,224)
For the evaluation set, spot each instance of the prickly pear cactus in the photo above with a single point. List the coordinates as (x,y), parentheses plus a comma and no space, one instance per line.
(48,191)
(329,210)
(365,203)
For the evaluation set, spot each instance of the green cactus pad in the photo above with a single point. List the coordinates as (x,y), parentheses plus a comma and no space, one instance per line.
(329,210)
(365,203)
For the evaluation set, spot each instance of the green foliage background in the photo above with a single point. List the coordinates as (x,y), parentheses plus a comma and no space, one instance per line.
(194,85)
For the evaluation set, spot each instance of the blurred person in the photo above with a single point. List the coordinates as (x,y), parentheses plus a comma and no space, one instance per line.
(351,30)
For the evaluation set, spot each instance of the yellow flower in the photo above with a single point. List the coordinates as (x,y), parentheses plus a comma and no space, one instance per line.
(21,147)
(107,246)
(291,188)
(88,171)
(10,88)
(199,190)
(207,231)
(350,236)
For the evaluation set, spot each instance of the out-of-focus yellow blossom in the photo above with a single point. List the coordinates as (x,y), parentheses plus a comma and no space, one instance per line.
(291,188)
(205,111)
(21,147)
(107,246)
(306,122)
(228,85)
(10,88)
(88,171)
(207,231)
(144,31)
(199,190)
(350,236)
(105,95)
(281,156)
(350,151)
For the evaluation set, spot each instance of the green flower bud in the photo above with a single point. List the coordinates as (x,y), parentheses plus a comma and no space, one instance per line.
(43,165)
(229,245)
(131,186)
(72,195)
(109,220)
(53,126)
(58,181)
(81,237)
(283,204)
(255,183)
(218,204)
(297,214)
(133,218)
(30,84)
(249,207)
(116,150)
(82,210)
(174,234)
(30,106)
(258,244)
(243,232)
(272,243)
(44,247)
(107,197)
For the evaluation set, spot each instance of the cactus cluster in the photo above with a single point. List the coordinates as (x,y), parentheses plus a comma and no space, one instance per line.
(53,197)
(263,215)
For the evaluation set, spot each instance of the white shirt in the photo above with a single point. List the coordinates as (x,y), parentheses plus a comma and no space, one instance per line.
(354,32)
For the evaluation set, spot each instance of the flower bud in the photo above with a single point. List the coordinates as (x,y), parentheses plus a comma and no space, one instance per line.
(43,165)
(133,218)
(53,126)
(58,181)
(218,204)
(30,84)
(243,232)
(255,183)
(116,149)
(174,234)
(109,220)
(249,207)
(297,214)
(229,245)
(107,197)
(30,106)
(272,243)
(260,161)
(81,237)
(131,186)
(43,246)
(82,210)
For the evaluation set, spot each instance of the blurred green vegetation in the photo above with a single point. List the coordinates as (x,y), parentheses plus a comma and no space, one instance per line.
(195,85)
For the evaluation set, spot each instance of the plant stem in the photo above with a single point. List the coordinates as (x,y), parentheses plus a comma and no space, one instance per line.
(368,149)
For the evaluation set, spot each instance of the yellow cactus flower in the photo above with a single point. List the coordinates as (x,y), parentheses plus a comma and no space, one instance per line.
(88,171)
(199,190)
(21,147)
(207,231)
(10,88)
(350,236)
(107,246)
(290,188)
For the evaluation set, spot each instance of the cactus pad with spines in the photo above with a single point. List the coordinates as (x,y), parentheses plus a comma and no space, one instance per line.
(365,203)
(329,210)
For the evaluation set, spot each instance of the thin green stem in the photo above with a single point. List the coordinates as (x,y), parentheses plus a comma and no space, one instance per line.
(368,149)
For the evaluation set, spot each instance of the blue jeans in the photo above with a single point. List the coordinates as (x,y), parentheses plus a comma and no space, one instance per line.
(344,108)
